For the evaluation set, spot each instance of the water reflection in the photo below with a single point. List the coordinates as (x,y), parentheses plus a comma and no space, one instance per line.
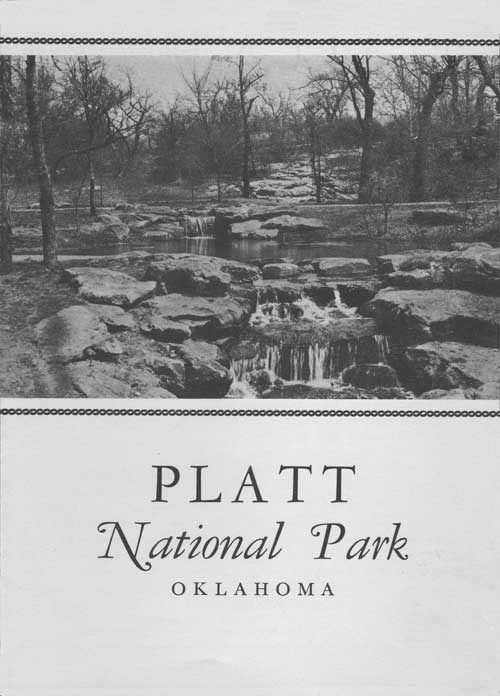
(251,249)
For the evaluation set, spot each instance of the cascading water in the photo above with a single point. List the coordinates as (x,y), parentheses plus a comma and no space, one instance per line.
(199,226)
(310,361)
(315,362)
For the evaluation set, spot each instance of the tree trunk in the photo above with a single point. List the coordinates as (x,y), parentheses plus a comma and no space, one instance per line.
(245,174)
(418,190)
(366,167)
(365,172)
(6,116)
(92,205)
(5,225)
(35,128)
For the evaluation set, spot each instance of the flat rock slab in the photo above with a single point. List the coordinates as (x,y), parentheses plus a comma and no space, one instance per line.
(415,316)
(412,260)
(252,229)
(103,286)
(115,318)
(341,267)
(67,335)
(205,316)
(200,275)
(419,279)
(474,267)
(226,216)
(99,380)
(278,290)
(162,328)
(291,227)
(280,270)
(452,365)
(306,333)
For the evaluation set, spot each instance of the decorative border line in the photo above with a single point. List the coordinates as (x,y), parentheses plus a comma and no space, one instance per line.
(131,41)
(242,412)
(137,41)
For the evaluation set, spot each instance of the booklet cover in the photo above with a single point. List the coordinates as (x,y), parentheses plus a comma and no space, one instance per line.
(250,367)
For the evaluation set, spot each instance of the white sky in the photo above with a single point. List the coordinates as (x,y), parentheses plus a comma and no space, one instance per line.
(162,75)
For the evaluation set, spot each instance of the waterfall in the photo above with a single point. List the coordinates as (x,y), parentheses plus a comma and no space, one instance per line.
(199,226)
(302,308)
(299,361)
(348,311)
(314,362)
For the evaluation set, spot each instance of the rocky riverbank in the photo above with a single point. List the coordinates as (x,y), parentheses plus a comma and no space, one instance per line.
(425,324)
(288,221)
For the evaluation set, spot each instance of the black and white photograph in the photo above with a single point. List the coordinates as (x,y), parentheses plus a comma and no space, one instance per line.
(250,226)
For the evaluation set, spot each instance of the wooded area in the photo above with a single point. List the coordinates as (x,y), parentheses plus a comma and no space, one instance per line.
(427,128)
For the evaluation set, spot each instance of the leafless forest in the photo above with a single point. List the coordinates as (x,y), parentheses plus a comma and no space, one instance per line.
(333,234)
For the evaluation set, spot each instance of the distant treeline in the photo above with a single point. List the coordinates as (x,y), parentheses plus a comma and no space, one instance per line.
(426,126)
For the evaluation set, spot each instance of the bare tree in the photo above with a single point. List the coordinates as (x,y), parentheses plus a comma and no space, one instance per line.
(487,70)
(110,113)
(313,115)
(35,127)
(329,91)
(6,125)
(248,79)
(432,74)
(358,76)
(139,117)
(208,98)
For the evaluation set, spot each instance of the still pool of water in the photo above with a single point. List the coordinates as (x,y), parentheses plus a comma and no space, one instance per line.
(251,249)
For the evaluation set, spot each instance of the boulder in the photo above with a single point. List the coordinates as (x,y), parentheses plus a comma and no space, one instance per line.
(415,316)
(163,362)
(252,229)
(292,228)
(477,269)
(261,380)
(451,365)
(280,270)
(67,335)
(438,217)
(370,376)
(204,316)
(419,279)
(162,328)
(278,290)
(412,260)
(206,370)
(115,318)
(103,286)
(261,262)
(101,380)
(452,394)
(341,267)
(107,229)
(200,275)
(227,215)
(352,293)
(109,349)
